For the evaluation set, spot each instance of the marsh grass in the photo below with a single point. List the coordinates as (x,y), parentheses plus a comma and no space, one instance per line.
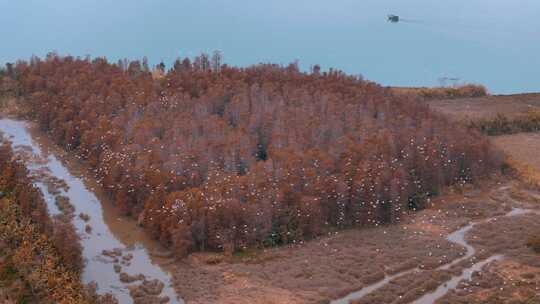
(525,172)
(425,93)
(501,124)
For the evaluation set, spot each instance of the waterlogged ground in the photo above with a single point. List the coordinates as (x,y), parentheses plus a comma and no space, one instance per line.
(414,262)
(469,247)
(120,257)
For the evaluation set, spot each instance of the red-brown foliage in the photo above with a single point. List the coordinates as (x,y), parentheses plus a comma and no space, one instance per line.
(40,259)
(68,243)
(212,157)
(16,183)
(14,177)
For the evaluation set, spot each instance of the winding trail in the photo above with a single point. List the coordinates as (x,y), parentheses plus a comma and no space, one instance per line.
(110,231)
(456,237)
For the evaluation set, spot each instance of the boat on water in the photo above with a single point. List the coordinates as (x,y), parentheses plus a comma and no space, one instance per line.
(393,18)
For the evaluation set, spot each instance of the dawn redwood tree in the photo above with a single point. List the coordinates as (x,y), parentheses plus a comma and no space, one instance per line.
(213,157)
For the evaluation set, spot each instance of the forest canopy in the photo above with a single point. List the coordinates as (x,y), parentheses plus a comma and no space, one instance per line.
(214,157)
(35,264)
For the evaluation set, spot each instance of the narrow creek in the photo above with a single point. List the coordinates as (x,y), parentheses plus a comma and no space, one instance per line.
(119,255)
(454,281)
(457,237)
(114,245)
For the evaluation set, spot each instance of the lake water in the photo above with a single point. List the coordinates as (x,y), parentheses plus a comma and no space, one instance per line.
(495,43)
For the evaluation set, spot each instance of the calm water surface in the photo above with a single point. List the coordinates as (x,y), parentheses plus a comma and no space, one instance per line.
(495,43)
(110,230)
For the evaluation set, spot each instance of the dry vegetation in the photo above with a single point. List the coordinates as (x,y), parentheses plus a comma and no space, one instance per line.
(522,150)
(487,107)
(522,147)
(438,93)
(517,278)
(491,287)
(494,115)
(534,243)
(313,272)
(333,266)
(514,280)
(211,157)
(162,146)
(501,124)
(406,289)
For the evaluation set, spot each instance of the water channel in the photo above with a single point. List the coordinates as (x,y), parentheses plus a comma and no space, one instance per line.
(124,243)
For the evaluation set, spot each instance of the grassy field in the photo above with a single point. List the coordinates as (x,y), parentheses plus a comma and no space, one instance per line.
(522,150)
(487,107)
(507,115)
(437,93)
(523,147)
